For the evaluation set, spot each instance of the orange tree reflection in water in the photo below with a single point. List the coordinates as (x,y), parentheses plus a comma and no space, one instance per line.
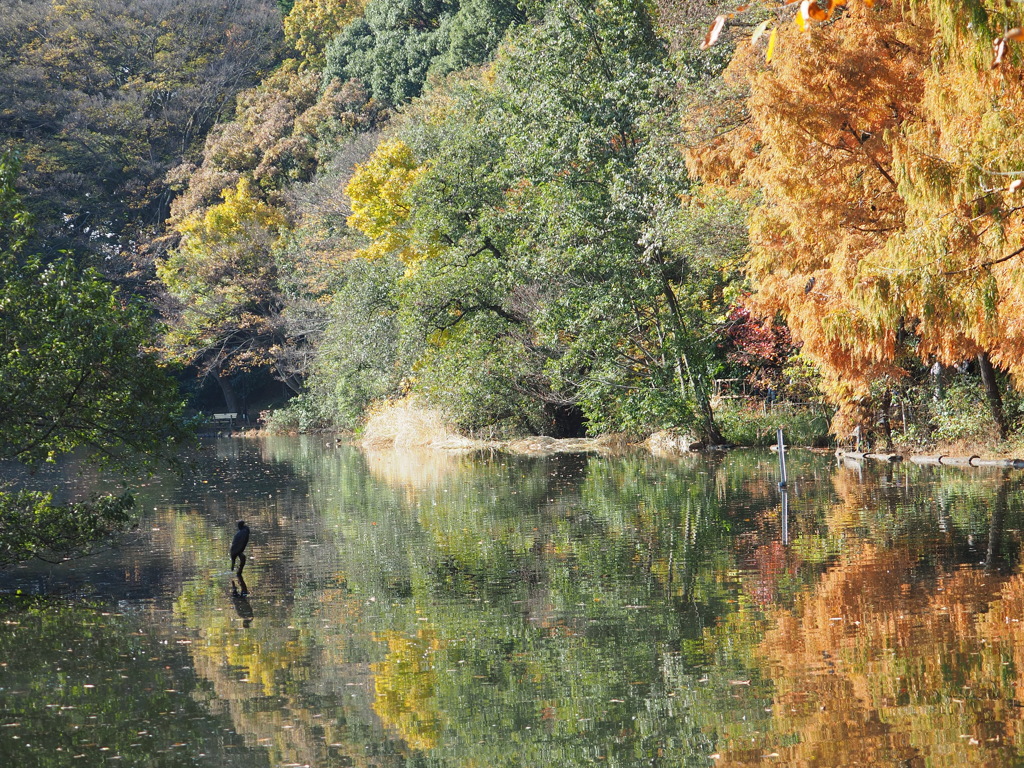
(893,657)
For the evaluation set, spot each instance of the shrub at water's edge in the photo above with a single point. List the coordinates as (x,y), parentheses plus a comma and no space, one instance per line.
(404,424)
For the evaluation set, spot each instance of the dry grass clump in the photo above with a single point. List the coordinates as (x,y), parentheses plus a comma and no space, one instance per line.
(669,443)
(405,424)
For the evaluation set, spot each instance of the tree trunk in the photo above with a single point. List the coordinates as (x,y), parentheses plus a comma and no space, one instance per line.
(995,398)
(884,420)
(230,400)
(938,374)
(708,427)
(710,433)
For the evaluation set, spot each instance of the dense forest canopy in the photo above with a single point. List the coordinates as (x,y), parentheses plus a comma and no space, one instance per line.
(101,98)
(547,216)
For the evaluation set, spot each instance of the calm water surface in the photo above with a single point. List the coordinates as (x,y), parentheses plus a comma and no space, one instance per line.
(431,610)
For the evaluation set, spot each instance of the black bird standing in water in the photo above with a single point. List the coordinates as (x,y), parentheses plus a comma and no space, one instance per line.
(238,546)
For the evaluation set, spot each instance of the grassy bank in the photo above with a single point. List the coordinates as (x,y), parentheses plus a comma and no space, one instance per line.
(750,423)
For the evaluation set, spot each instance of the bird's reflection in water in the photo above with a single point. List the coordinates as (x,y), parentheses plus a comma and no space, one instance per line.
(239,597)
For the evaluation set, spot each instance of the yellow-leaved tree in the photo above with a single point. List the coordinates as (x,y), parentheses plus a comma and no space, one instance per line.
(381,194)
(312,24)
(224,282)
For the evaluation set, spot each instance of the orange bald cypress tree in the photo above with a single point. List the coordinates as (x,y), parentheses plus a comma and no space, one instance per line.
(886,224)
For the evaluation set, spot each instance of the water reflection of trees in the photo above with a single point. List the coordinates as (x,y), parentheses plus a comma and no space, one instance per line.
(483,608)
(903,652)
(80,684)
(507,611)
(294,677)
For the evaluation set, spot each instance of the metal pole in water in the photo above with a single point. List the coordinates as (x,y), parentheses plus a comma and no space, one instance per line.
(785,516)
(782,460)
(783,483)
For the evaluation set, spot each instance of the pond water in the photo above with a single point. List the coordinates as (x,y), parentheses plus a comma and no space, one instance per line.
(493,610)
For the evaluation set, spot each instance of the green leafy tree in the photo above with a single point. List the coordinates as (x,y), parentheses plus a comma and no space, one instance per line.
(476,31)
(73,371)
(397,44)
(591,123)
(359,355)
(75,375)
(540,207)
(390,48)
(461,294)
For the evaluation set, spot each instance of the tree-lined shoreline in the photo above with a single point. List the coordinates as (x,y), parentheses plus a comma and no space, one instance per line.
(545,217)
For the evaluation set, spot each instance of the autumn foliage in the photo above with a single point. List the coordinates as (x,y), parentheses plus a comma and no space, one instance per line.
(880,156)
